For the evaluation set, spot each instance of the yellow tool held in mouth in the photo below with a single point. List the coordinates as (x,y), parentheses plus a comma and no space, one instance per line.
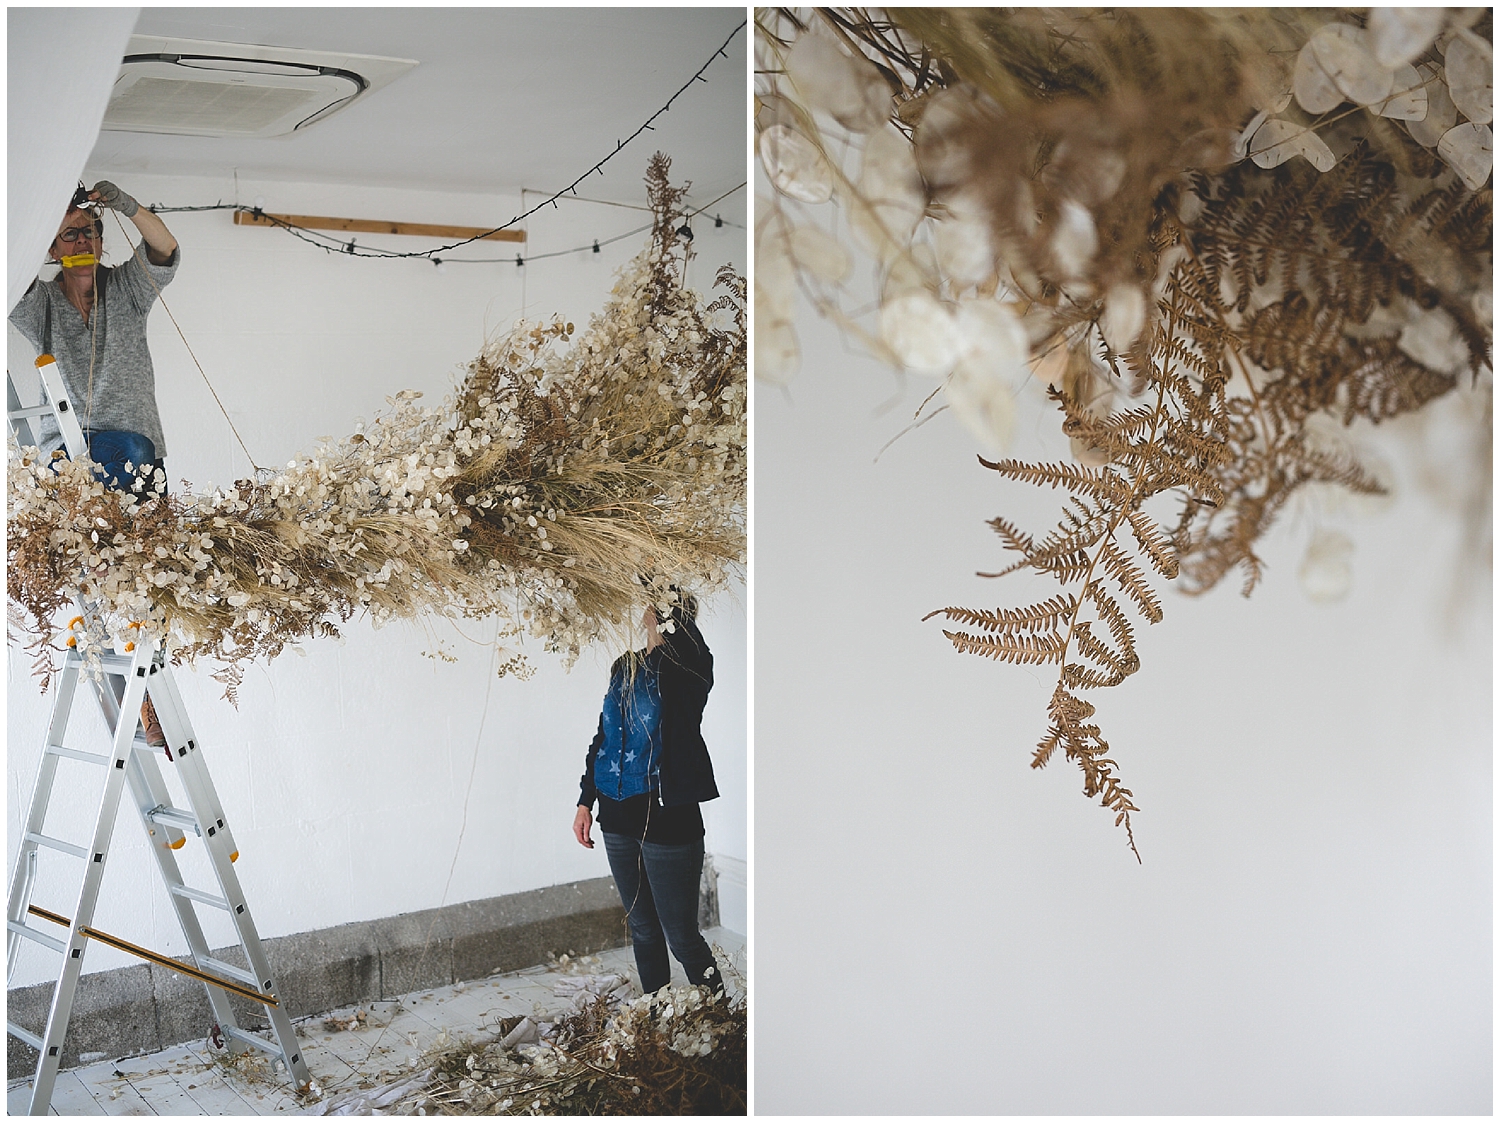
(74,260)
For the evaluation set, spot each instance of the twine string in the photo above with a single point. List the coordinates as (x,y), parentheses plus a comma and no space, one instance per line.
(181,335)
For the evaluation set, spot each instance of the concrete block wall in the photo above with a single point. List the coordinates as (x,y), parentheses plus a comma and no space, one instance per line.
(391,772)
(145,1007)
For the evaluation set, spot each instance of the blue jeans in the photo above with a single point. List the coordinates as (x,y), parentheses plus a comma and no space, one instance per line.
(112,449)
(658,886)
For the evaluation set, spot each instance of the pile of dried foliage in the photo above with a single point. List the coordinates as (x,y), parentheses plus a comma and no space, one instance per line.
(679,1052)
(568,470)
(1213,234)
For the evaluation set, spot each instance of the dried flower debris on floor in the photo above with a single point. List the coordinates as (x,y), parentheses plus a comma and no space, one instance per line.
(567,1037)
(681,1052)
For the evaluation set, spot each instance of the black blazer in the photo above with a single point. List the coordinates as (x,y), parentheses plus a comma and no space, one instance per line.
(685,673)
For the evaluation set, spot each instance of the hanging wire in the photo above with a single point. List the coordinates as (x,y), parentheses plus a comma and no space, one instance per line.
(339,246)
(163,301)
(431,254)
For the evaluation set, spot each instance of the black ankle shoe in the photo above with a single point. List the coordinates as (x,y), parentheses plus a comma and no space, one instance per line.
(712,980)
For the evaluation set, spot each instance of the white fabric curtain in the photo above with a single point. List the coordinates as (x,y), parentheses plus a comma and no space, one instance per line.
(61,65)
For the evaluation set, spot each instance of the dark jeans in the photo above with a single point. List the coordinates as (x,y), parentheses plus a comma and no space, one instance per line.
(658,886)
(112,449)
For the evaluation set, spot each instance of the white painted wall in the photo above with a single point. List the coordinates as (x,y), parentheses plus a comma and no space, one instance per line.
(368,779)
(940,929)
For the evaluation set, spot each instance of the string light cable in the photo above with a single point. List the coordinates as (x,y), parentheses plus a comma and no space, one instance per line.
(353,250)
(337,246)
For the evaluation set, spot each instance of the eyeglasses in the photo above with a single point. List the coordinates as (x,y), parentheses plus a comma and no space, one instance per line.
(73,233)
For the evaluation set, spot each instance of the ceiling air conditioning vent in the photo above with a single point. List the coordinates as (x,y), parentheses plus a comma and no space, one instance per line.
(195,88)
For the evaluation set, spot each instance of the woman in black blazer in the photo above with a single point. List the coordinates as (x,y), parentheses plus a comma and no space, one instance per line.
(648,768)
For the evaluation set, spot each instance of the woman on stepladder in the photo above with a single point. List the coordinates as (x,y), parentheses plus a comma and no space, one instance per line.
(648,768)
(92,320)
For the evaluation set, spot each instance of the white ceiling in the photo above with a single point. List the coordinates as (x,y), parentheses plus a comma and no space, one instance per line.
(502,99)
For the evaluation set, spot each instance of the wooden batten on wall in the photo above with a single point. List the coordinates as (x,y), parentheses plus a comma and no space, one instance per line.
(373,226)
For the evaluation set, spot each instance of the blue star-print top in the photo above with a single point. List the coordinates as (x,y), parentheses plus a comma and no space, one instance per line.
(629,760)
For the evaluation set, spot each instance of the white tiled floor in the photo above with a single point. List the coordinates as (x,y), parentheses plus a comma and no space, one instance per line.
(190,1080)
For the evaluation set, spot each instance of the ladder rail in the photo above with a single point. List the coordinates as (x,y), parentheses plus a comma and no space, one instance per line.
(219,842)
(62,406)
(150,792)
(20,416)
(189,764)
(77,942)
(23,878)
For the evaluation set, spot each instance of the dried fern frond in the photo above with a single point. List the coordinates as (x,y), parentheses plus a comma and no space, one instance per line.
(1203,229)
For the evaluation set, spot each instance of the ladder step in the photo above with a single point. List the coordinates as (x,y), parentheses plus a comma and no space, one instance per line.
(174,817)
(251,1039)
(40,937)
(25,1035)
(199,895)
(109,662)
(30,411)
(230,971)
(77,754)
(57,844)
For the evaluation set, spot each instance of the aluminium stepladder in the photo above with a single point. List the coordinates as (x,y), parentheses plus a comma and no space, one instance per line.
(131,764)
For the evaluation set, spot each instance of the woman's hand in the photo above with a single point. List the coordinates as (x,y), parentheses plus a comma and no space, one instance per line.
(160,244)
(583,823)
(106,194)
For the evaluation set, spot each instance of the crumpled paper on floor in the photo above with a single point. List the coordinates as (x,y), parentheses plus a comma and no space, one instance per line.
(580,988)
(375,1101)
(526,1032)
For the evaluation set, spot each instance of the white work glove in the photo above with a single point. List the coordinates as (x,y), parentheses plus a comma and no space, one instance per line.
(108,195)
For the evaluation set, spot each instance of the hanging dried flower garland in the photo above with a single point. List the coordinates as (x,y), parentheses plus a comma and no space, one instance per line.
(570,477)
(1210,233)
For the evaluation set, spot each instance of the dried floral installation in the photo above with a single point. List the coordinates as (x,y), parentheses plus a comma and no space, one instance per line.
(1207,231)
(571,476)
